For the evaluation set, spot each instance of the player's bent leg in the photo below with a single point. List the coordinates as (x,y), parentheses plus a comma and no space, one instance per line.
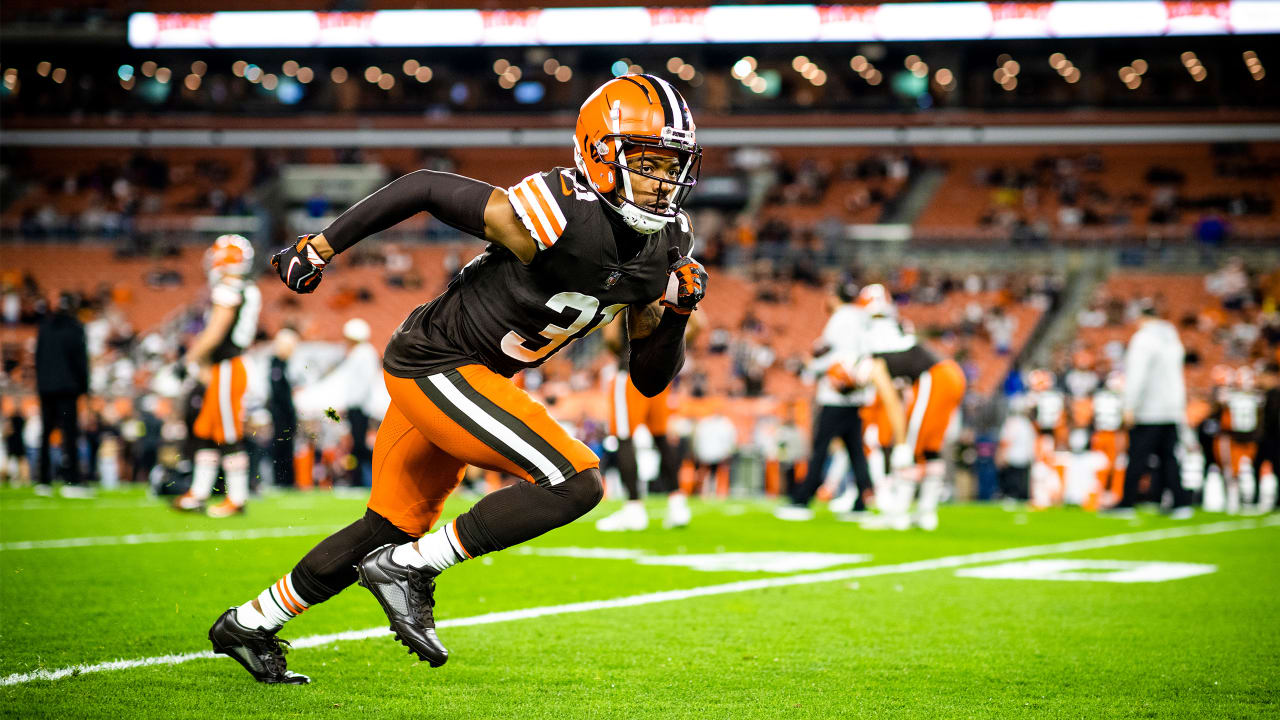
(248,633)
(204,474)
(403,578)
(235,464)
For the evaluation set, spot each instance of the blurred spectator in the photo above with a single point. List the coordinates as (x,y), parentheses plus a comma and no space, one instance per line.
(1016,452)
(16,469)
(62,376)
(284,417)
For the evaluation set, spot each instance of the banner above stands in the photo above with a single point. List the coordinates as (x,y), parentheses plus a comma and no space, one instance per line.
(716,24)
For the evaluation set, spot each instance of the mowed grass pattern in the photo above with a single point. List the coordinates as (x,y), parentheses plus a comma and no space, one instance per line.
(919,644)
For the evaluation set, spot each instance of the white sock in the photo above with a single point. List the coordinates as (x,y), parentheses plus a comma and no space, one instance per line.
(280,603)
(437,551)
(931,486)
(236,466)
(204,473)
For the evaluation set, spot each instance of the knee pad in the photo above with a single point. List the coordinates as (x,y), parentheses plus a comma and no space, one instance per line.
(583,491)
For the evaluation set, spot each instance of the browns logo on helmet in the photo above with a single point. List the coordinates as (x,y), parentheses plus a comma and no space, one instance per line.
(625,121)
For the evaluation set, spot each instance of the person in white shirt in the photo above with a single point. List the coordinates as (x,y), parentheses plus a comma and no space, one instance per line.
(1155,405)
(357,373)
(1017,451)
(847,376)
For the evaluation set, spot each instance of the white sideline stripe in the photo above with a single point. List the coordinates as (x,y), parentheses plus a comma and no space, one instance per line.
(671,595)
(150,538)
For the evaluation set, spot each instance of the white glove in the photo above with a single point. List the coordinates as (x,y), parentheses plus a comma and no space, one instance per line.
(901,458)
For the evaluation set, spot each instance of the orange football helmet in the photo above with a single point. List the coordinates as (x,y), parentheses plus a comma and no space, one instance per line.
(229,255)
(1042,380)
(624,120)
(875,300)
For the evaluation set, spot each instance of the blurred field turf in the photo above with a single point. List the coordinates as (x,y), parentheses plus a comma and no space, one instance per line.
(920,644)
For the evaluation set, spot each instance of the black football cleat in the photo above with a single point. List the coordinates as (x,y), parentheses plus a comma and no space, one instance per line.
(259,651)
(407,596)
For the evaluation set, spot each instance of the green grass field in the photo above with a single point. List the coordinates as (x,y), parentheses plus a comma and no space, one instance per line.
(885,637)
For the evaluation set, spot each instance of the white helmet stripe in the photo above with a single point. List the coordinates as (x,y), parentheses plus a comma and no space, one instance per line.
(677,113)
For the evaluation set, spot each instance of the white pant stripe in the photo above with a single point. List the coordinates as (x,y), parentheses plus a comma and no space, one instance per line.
(494,427)
(917,412)
(224,403)
(620,414)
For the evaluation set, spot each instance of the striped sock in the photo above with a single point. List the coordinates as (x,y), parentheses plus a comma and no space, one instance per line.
(437,551)
(280,603)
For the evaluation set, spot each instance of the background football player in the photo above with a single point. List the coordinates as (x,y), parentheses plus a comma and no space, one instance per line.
(218,352)
(937,389)
(569,249)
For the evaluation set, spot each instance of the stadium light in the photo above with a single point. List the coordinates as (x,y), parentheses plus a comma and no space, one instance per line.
(423,74)
(44,67)
(338,75)
(238,68)
(638,25)
(290,68)
(163,75)
(410,67)
(192,82)
(550,66)
(270,81)
(198,68)
(148,69)
(305,75)
(500,66)
(564,73)
(59,75)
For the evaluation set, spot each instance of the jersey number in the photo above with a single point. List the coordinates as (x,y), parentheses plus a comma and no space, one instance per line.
(586,307)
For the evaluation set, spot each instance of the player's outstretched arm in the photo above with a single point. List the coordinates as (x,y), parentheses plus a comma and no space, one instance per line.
(474,207)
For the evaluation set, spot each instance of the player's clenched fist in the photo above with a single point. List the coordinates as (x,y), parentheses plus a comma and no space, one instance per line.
(686,285)
(300,266)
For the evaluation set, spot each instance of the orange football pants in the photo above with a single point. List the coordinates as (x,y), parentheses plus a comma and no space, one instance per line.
(221,418)
(937,394)
(438,424)
(628,409)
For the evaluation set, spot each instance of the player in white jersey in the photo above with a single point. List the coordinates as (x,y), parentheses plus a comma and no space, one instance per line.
(1107,423)
(1242,413)
(1048,409)
(218,352)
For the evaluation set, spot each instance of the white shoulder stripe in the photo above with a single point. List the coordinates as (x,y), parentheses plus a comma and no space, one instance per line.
(540,184)
(522,212)
(549,235)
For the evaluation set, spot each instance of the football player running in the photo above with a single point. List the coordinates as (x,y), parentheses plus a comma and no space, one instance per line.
(938,386)
(218,352)
(569,249)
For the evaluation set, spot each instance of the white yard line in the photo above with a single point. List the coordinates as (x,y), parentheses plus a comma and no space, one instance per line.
(149,538)
(722,589)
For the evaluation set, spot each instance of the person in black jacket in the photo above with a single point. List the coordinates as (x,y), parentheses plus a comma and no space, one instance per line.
(62,376)
(284,417)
